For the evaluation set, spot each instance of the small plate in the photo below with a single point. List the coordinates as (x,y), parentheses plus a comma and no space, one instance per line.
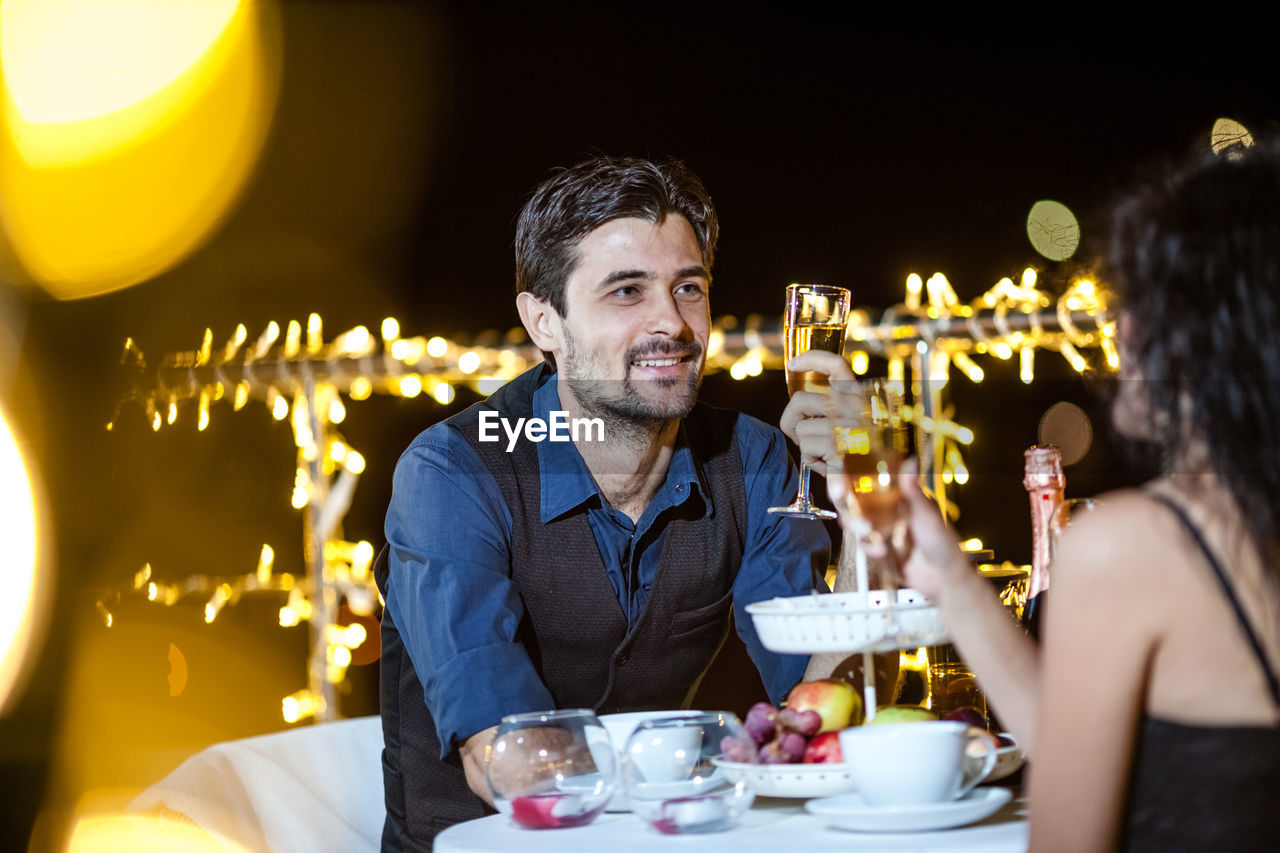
(684,788)
(789,780)
(851,812)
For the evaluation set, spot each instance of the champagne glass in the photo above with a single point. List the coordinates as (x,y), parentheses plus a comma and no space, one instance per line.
(816,317)
(871,440)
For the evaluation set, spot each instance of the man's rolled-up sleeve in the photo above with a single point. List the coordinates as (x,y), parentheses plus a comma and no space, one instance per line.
(449,589)
(782,557)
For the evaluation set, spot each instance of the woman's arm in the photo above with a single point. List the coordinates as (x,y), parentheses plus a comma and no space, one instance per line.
(1098,642)
(1005,660)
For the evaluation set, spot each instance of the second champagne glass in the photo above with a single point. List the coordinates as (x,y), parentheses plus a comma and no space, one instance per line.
(816,317)
(871,438)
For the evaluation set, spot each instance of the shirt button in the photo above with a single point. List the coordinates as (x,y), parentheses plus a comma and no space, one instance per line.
(680,487)
(623,658)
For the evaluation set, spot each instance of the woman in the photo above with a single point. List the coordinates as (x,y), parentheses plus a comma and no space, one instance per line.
(1154,705)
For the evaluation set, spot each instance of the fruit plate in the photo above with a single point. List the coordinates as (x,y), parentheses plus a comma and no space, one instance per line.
(847,622)
(789,780)
(1008,760)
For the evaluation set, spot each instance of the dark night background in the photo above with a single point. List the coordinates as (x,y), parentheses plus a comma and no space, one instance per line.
(841,146)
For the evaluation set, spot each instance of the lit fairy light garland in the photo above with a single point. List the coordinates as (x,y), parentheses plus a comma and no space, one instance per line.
(931,331)
(299,376)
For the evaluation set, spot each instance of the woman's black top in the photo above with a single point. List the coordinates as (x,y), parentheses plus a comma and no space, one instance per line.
(1206,787)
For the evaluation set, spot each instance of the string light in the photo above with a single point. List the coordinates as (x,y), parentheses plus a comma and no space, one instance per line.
(293,339)
(1027,364)
(265,559)
(307,377)
(410,386)
(315,330)
(361,388)
(300,705)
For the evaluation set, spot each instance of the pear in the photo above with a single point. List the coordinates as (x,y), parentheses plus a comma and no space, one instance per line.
(887,714)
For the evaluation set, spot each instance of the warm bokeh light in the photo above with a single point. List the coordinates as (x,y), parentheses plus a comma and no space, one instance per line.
(411,386)
(361,388)
(299,706)
(1053,230)
(1228,132)
(22,605)
(1069,428)
(1027,365)
(120,833)
(129,131)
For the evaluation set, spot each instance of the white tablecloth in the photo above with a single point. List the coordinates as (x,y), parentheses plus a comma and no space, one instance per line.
(771,826)
(314,789)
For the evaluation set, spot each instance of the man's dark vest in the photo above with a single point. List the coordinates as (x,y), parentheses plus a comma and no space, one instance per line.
(574,628)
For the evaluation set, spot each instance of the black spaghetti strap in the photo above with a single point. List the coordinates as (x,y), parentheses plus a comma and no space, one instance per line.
(1227,590)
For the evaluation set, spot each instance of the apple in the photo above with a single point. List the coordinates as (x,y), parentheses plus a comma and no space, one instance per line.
(902,714)
(980,740)
(836,702)
(824,749)
(968,716)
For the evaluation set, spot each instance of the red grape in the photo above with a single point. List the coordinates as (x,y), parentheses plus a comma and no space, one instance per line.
(805,722)
(761,722)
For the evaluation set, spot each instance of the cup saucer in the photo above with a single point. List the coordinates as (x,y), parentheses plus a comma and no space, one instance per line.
(852,812)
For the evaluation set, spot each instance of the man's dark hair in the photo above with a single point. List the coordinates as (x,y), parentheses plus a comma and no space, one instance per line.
(1195,257)
(577,200)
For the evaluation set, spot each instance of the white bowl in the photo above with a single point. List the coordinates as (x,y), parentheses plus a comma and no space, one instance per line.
(847,622)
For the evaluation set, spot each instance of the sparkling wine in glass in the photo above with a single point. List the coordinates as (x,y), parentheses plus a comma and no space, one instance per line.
(816,317)
(871,438)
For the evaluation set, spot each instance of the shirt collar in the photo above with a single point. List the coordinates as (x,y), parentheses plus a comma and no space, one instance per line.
(567,483)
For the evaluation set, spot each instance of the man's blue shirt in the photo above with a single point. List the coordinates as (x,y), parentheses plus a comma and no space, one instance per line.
(449,588)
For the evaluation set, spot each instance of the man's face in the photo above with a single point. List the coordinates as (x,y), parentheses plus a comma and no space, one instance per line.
(637,321)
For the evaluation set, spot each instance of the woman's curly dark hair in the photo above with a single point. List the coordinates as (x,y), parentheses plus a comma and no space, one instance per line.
(1195,260)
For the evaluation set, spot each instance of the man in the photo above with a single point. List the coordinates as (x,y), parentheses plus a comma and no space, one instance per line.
(600,571)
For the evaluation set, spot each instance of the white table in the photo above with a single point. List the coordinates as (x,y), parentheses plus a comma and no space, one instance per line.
(772,825)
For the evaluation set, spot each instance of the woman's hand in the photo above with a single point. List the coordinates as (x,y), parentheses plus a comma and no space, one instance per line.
(804,420)
(935,561)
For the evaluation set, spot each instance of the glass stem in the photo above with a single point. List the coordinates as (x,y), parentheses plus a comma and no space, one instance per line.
(802,496)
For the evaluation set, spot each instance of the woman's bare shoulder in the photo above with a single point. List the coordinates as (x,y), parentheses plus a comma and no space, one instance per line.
(1127,530)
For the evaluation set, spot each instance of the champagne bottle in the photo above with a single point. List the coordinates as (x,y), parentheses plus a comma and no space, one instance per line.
(1045,485)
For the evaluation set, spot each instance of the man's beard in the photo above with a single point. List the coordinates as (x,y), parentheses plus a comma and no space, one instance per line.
(620,402)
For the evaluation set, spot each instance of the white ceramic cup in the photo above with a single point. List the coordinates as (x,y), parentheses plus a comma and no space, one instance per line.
(664,750)
(919,763)
(620,727)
